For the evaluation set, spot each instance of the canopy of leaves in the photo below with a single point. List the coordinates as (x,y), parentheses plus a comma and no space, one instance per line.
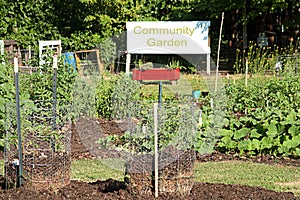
(83,24)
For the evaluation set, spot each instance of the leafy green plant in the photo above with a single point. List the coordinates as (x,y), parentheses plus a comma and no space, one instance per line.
(176,126)
(126,91)
(104,90)
(175,64)
(261,59)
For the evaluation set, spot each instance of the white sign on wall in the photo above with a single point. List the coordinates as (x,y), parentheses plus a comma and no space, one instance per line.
(168,37)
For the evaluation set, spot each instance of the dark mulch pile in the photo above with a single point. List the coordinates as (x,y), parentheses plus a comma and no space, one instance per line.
(112,189)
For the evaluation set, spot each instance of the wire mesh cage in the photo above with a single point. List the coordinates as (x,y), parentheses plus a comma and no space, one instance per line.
(88,62)
(176,132)
(46,148)
(288,63)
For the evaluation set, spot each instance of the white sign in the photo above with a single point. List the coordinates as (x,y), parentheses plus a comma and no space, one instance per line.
(164,37)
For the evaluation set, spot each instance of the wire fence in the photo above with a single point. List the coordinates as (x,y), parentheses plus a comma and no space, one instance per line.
(46,149)
(176,135)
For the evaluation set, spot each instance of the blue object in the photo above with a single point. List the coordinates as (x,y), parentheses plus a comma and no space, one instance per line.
(69,58)
(196,94)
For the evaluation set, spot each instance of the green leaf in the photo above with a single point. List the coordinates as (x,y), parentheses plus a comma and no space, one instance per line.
(272,129)
(292,143)
(293,130)
(283,150)
(297,151)
(226,133)
(254,144)
(243,145)
(255,134)
(266,143)
(241,133)
(291,117)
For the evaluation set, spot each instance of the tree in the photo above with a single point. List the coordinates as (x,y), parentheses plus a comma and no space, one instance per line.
(27,21)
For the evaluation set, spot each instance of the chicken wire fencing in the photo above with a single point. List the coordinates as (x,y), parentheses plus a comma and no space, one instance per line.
(46,148)
(288,63)
(88,62)
(176,129)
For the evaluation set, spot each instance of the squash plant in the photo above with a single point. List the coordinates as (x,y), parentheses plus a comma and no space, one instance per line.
(271,122)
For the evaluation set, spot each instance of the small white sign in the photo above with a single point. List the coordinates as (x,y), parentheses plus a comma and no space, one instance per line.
(164,37)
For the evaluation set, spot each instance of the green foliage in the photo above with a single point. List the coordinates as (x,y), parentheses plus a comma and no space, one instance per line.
(263,92)
(176,126)
(6,94)
(267,122)
(40,85)
(126,92)
(84,101)
(34,87)
(272,120)
(197,82)
(104,91)
(108,53)
(27,21)
(261,59)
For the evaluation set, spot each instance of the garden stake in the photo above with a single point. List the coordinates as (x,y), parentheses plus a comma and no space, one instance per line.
(54,98)
(160,93)
(128,58)
(246,73)
(19,175)
(218,58)
(155,150)
(200,118)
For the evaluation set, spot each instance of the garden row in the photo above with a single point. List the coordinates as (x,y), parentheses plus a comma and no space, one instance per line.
(261,117)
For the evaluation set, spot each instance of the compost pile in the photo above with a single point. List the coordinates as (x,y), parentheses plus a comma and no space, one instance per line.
(112,189)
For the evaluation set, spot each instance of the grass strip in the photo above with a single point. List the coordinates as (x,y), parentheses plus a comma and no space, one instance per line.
(273,177)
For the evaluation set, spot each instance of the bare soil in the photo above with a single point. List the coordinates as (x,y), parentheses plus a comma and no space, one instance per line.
(113,189)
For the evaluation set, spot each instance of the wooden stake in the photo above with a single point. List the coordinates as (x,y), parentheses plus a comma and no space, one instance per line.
(128,57)
(218,58)
(246,79)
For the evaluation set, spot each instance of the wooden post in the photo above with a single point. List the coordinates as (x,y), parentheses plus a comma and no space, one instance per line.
(29,53)
(156,149)
(208,64)
(200,118)
(101,67)
(128,57)
(246,73)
